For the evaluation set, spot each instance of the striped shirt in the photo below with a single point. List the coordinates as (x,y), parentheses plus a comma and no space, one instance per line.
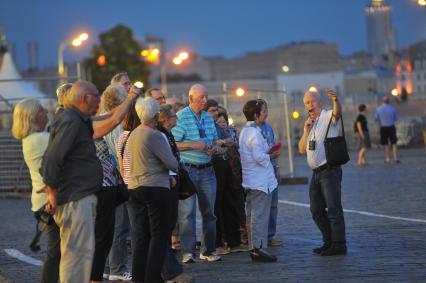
(190,128)
(126,156)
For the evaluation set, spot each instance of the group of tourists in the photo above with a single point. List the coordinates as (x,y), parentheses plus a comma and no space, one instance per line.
(96,144)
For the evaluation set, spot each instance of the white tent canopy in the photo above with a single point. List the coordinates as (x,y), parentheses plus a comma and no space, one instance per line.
(14,90)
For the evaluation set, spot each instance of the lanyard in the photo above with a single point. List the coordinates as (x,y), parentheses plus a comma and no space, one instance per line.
(200,125)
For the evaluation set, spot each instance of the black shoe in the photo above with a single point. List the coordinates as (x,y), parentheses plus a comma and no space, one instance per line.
(335,250)
(321,249)
(261,255)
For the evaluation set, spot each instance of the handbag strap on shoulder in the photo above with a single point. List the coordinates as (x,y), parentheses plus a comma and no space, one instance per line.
(341,121)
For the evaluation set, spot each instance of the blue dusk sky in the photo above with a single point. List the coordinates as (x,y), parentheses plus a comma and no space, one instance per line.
(227,28)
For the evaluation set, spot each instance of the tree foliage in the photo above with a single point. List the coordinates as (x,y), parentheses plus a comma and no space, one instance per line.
(122,54)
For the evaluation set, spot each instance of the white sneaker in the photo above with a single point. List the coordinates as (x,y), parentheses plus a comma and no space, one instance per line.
(188,258)
(105,276)
(211,257)
(126,276)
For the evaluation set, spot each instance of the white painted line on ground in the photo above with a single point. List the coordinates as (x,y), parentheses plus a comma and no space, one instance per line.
(18,255)
(366,213)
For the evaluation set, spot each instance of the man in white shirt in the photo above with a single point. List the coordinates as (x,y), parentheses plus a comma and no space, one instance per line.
(258,179)
(325,185)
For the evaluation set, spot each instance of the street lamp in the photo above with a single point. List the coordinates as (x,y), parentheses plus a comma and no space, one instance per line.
(77,41)
(422,2)
(395,92)
(152,55)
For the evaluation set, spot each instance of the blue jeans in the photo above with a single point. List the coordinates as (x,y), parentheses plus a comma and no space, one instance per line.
(325,192)
(116,262)
(272,226)
(205,183)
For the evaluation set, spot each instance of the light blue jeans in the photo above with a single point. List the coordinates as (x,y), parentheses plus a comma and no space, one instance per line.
(116,262)
(205,182)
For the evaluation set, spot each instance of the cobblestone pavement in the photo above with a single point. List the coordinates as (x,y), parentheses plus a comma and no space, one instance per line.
(381,248)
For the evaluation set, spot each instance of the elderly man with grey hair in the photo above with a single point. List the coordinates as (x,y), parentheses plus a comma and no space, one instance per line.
(325,185)
(73,174)
(195,135)
(150,196)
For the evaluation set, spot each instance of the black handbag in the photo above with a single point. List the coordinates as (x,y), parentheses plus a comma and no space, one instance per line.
(185,186)
(336,151)
(122,193)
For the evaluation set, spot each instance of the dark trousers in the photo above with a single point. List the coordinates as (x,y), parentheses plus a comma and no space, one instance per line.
(151,213)
(325,192)
(171,266)
(104,230)
(50,271)
(226,211)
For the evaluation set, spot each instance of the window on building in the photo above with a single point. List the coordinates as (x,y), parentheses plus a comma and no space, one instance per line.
(419,77)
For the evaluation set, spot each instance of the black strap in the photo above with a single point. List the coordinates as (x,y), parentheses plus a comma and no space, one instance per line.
(341,120)
(123,147)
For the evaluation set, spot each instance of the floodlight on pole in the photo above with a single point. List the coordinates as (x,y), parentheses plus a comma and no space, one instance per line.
(77,41)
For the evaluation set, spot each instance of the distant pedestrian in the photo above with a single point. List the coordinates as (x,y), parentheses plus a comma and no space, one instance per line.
(325,185)
(386,116)
(363,136)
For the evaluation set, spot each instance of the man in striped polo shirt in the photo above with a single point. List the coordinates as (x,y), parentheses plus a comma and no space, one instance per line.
(196,136)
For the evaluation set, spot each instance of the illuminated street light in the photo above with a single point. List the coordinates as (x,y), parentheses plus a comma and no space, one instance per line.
(77,41)
(395,92)
(177,60)
(138,84)
(296,115)
(313,89)
(422,2)
(285,69)
(240,92)
(184,55)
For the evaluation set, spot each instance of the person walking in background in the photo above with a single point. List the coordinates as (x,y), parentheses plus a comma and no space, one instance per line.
(363,136)
(325,185)
(386,116)
(29,123)
(258,179)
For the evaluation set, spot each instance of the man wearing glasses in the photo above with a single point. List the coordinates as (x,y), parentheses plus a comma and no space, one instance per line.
(195,135)
(157,95)
(73,174)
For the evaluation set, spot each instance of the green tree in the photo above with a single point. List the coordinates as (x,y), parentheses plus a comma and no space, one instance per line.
(117,52)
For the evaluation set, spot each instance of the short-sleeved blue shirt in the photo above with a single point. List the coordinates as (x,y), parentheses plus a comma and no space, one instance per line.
(187,129)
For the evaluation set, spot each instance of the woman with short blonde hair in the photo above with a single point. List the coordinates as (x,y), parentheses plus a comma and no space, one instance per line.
(29,122)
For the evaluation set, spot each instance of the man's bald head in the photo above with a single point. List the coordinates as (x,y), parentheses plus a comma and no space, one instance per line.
(312,102)
(85,96)
(198,97)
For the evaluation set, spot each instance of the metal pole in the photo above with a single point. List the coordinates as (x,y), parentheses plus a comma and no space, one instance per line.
(225,101)
(288,134)
(78,71)
(163,75)
(61,68)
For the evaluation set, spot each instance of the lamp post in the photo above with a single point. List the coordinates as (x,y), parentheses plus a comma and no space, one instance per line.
(152,55)
(77,41)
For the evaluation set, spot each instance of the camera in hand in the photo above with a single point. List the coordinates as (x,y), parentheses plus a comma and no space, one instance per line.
(311,145)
